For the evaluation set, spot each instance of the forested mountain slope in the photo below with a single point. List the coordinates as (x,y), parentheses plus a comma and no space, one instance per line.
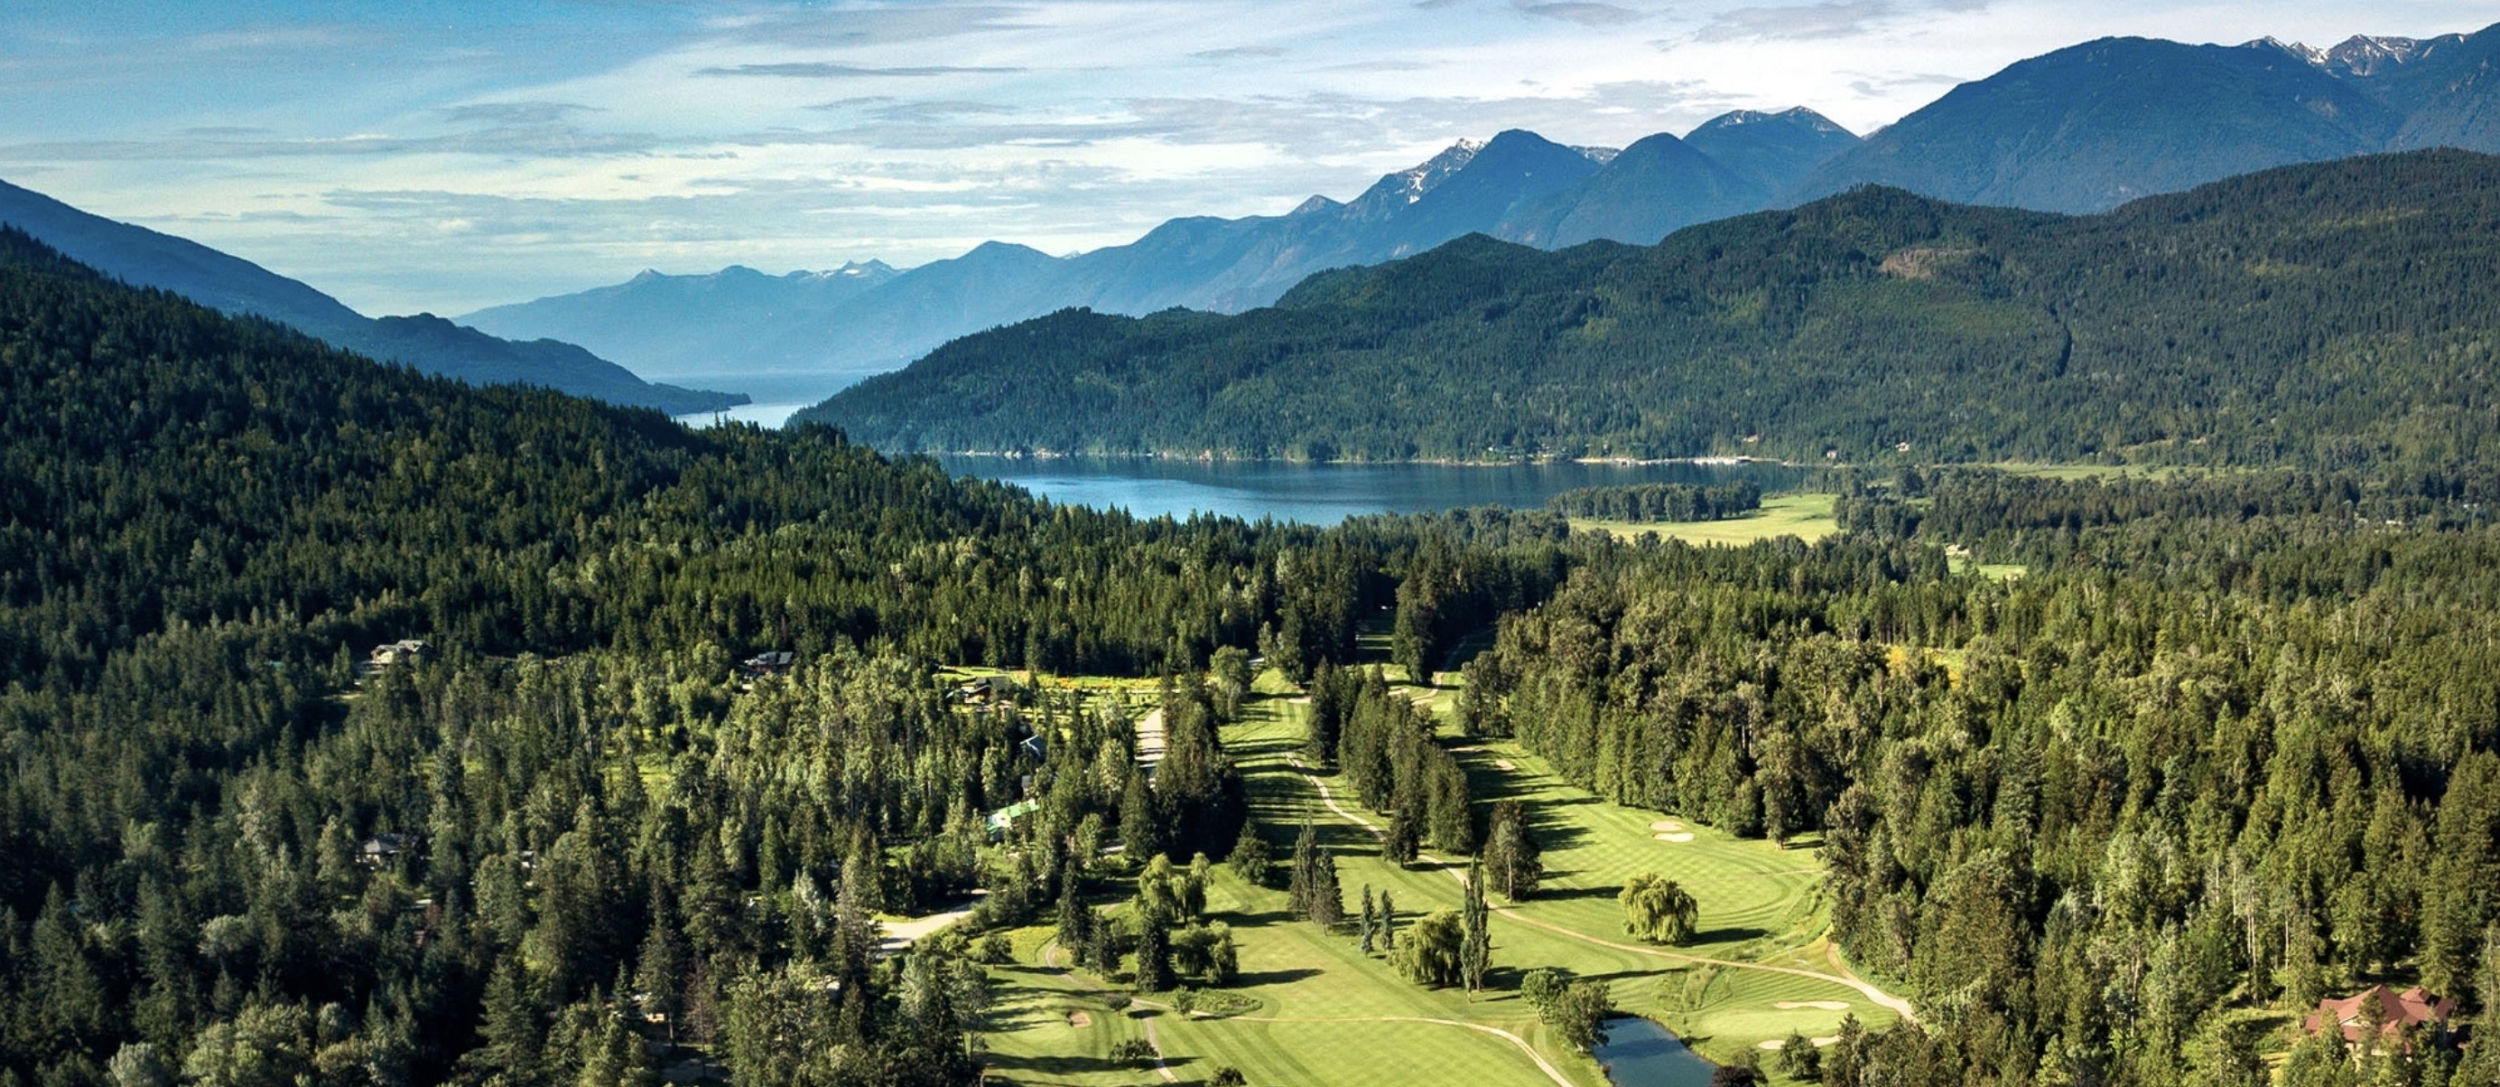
(2320,314)
(2227,748)
(228,283)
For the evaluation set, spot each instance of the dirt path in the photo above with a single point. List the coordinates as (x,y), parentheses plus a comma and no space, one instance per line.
(1844,977)
(902,934)
(1150,741)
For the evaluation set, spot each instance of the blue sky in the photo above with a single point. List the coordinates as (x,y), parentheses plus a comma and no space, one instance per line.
(425,155)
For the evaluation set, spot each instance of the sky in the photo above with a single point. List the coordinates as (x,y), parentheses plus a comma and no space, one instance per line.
(431,155)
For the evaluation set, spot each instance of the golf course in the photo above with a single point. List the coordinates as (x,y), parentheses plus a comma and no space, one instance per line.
(1310,1007)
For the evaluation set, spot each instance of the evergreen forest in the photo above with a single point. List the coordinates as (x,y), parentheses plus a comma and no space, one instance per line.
(2332,315)
(2111,777)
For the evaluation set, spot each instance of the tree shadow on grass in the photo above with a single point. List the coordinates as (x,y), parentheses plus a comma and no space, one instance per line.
(1075,1066)
(1566,894)
(1730,935)
(1286,976)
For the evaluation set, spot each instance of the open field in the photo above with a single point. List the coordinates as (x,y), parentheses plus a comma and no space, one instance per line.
(1328,1014)
(1805,516)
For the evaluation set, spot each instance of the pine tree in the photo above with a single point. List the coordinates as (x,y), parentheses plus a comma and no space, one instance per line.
(1327,898)
(1300,883)
(1388,923)
(1154,957)
(1476,947)
(1368,919)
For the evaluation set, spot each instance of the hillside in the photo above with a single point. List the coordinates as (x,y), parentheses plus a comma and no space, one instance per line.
(230,284)
(2317,314)
(2092,126)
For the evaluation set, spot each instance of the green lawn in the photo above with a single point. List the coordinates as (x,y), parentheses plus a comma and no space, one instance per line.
(1328,1014)
(1805,516)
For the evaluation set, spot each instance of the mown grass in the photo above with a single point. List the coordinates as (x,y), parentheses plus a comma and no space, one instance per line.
(1805,516)
(1321,998)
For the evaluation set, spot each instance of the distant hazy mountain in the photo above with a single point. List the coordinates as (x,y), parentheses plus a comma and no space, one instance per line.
(145,258)
(2092,126)
(1653,187)
(1772,150)
(669,325)
(867,319)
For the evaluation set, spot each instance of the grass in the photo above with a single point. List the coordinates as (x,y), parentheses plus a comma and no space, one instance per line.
(1805,516)
(1321,1002)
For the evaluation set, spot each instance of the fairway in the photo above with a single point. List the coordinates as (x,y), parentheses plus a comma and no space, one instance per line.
(1328,1014)
(1805,516)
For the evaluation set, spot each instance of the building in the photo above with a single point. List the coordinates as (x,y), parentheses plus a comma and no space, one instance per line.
(2395,1012)
(770,662)
(381,849)
(405,650)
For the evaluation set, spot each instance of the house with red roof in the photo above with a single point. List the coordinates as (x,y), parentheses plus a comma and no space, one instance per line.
(2395,1013)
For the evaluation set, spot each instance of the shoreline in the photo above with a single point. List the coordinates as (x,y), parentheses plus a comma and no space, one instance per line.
(1437,462)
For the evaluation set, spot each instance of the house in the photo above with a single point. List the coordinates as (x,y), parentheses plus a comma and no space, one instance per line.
(983,690)
(2394,1012)
(769,662)
(407,650)
(1004,819)
(1034,747)
(381,849)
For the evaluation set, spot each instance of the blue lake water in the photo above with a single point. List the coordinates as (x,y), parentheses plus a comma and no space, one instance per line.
(1325,494)
(1640,1053)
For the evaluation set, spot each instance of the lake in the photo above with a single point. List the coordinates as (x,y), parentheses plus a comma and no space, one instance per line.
(1640,1053)
(1325,494)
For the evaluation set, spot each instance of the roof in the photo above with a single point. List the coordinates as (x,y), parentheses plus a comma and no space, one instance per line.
(2396,1011)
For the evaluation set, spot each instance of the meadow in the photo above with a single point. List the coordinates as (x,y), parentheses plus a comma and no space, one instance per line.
(1805,516)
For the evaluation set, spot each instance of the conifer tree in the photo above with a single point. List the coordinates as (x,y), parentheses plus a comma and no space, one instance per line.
(1368,919)
(1475,953)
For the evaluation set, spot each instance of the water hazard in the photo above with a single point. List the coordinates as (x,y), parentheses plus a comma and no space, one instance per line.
(1640,1053)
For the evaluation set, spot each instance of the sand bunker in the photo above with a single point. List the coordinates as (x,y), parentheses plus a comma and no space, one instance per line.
(1504,764)
(1782,1043)
(1818,1005)
(1666,825)
(1775,1043)
(1080,1020)
(1679,837)
(1825,1040)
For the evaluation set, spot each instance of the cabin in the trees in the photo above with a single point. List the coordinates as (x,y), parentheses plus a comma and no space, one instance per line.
(2395,1013)
(984,690)
(381,849)
(769,663)
(403,651)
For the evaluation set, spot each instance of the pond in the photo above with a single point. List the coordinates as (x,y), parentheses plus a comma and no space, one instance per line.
(1325,494)
(1640,1053)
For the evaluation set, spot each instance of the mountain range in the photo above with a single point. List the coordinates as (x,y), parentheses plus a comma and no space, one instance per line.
(1517,184)
(2303,315)
(2079,130)
(221,281)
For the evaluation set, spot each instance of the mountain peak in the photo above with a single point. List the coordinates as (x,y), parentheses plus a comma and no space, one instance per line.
(1412,183)
(2361,55)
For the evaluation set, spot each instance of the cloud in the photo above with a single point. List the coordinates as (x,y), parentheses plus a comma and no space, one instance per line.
(513,113)
(1239,52)
(1804,22)
(852,26)
(1583,13)
(1382,66)
(822,70)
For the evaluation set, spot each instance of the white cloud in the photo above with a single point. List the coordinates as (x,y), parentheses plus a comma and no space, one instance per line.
(573,142)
